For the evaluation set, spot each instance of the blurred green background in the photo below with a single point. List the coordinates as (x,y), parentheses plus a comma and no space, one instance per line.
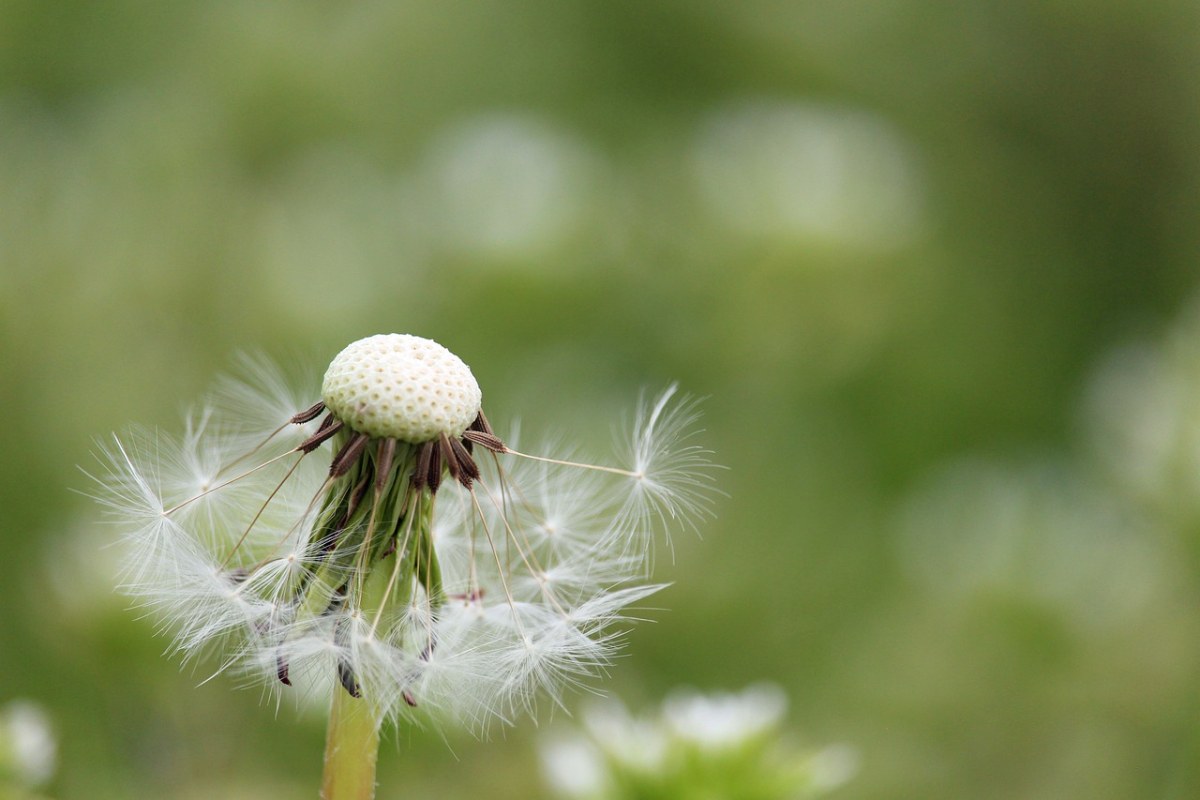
(932,263)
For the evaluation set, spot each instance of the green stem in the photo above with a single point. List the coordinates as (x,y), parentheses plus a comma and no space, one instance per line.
(351,749)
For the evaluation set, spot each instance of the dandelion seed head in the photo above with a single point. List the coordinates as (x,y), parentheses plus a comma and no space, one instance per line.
(401,387)
(394,548)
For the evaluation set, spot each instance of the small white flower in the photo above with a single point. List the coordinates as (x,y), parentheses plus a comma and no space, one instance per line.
(629,741)
(694,745)
(720,720)
(574,767)
(424,562)
(833,766)
(27,745)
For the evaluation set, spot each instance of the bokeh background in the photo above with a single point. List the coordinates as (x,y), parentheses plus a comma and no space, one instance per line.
(933,264)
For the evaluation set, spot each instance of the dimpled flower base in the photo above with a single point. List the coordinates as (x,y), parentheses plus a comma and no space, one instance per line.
(402,387)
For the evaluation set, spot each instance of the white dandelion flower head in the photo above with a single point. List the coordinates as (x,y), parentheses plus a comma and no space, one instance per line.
(422,562)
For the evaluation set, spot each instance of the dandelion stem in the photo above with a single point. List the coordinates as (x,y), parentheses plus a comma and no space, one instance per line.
(351,749)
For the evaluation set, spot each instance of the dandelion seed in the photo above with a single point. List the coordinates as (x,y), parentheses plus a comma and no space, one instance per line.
(386,541)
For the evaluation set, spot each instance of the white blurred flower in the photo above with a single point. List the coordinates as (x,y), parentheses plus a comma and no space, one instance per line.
(833,766)
(574,767)
(634,743)
(1037,530)
(803,170)
(425,563)
(28,749)
(724,719)
(719,745)
(505,185)
(1143,407)
(333,205)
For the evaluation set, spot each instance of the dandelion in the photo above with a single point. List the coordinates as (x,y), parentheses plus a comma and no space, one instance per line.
(423,562)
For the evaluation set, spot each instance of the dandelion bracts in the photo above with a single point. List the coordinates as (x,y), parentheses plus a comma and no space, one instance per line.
(423,561)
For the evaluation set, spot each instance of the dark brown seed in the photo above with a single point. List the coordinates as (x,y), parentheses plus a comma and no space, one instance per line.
(349,683)
(468,469)
(348,455)
(487,440)
(281,671)
(384,455)
(329,426)
(434,479)
(451,458)
(420,476)
(309,415)
(481,424)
